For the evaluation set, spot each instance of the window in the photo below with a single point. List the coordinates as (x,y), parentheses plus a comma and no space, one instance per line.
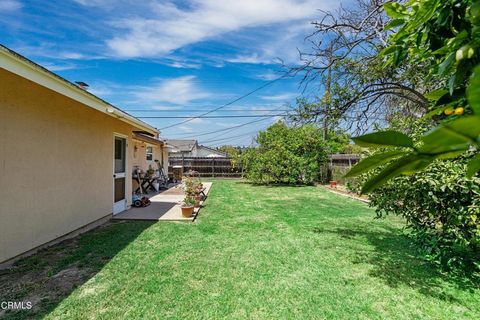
(149,153)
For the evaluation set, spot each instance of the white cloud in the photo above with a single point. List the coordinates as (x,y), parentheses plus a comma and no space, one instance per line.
(59,67)
(197,120)
(10,5)
(253,58)
(172,27)
(280,97)
(185,128)
(184,65)
(269,75)
(180,90)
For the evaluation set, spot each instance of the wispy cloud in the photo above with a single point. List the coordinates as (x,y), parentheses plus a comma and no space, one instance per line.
(268,75)
(10,5)
(280,97)
(181,90)
(185,128)
(253,58)
(171,27)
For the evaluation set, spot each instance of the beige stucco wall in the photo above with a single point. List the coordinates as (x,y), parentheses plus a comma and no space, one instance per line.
(56,164)
(139,151)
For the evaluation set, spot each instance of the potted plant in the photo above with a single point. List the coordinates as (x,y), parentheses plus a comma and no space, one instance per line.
(150,171)
(188,206)
(198,190)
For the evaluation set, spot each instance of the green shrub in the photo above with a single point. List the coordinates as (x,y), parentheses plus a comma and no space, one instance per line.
(286,155)
(442,210)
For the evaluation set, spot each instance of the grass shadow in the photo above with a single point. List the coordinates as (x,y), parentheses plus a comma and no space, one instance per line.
(50,275)
(397,262)
(273,185)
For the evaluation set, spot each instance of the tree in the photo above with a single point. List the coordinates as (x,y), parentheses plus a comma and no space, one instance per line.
(445,37)
(286,155)
(359,89)
(234,153)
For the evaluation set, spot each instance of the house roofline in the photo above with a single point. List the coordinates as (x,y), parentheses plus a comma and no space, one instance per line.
(216,150)
(22,66)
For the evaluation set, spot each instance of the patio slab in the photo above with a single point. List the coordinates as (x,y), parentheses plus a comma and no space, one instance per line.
(165,206)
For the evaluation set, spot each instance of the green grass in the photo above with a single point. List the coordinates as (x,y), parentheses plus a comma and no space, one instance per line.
(254,252)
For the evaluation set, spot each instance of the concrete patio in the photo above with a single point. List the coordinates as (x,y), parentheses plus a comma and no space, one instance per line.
(165,206)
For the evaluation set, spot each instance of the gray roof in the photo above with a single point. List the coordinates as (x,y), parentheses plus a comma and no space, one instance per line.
(181,145)
(214,150)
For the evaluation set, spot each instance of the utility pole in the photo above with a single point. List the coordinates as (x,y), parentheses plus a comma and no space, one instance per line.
(327,95)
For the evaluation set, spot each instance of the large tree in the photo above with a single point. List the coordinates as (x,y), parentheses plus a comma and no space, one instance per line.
(344,63)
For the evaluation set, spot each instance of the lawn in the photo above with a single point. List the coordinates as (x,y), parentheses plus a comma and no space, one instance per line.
(254,252)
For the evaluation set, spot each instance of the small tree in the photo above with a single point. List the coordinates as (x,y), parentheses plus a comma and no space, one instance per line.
(286,155)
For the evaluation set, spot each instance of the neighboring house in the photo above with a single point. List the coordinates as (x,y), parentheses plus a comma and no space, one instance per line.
(203,151)
(66,157)
(191,149)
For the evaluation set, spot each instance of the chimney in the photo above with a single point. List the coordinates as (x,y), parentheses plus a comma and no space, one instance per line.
(82,85)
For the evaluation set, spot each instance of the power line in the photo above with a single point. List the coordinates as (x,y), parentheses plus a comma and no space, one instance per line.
(196,110)
(229,128)
(229,103)
(210,117)
(231,138)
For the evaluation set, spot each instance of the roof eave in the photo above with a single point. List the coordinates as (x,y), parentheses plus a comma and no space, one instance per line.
(19,65)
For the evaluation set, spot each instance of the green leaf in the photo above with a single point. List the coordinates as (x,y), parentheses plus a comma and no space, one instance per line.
(473,166)
(468,126)
(473,91)
(425,11)
(446,64)
(384,138)
(434,112)
(372,162)
(406,165)
(388,50)
(393,24)
(456,135)
(395,10)
(436,94)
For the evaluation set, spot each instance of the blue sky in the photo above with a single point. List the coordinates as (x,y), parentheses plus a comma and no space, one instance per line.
(170,56)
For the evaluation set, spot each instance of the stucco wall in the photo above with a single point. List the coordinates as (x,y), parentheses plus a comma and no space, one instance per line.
(139,149)
(56,165)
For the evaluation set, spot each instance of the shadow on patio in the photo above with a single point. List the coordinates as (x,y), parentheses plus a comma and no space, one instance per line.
(50,275)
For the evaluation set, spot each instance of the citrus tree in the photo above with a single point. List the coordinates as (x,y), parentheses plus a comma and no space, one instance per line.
(286,155)
(444,35)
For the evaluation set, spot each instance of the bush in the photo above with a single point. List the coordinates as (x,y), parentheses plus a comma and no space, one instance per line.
(442,210)
(286,155)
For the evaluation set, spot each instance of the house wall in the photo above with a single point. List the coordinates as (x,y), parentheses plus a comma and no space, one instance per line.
(140,154)
(56,164)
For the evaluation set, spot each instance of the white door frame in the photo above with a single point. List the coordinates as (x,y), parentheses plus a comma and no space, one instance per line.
(122,204)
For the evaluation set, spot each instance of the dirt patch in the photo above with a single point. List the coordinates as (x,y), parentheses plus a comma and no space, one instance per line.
(343,190)
(45,277)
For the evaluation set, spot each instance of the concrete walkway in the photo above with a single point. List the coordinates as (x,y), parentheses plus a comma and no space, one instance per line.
(165,206)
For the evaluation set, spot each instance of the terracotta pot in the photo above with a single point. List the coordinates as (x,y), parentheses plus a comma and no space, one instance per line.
(187,211)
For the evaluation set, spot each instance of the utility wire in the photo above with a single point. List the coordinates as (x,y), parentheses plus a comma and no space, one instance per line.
(229,128)
(231,137)
(229,103)
(210,117)
(196,110)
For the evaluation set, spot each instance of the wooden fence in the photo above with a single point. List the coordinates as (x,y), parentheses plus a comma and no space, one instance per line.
(206,167)
(338,165)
